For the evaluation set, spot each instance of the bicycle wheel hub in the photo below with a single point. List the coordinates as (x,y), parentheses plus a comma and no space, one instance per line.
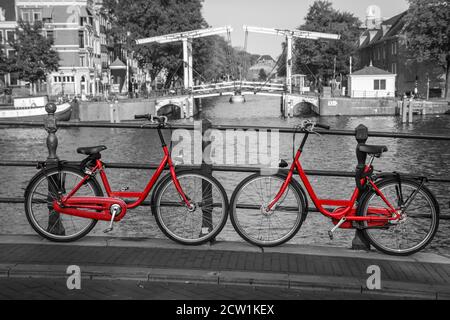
(266,211)
(192,207)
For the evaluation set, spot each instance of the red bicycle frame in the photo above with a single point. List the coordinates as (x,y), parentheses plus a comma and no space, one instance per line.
(70,204)
(347,208)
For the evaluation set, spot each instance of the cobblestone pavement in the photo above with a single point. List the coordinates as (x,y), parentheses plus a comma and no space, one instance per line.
(34,269)
(215,260)
(56,289)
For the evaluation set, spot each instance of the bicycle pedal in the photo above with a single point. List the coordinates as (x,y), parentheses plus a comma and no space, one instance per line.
(108,230)
(330,234)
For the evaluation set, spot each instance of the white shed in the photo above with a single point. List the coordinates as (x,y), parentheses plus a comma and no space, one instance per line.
(371,82)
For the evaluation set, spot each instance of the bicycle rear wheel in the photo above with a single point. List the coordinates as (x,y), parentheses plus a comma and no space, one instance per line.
(199,224)
(261,228)
(43,190)
(419,222)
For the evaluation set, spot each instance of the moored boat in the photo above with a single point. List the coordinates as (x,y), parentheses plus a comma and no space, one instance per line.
(33,109)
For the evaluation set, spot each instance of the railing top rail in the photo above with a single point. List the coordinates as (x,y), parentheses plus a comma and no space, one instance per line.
(134,125)
(219,168)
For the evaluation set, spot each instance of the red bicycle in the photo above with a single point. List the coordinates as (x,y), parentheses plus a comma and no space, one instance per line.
(63,202)
(398,215)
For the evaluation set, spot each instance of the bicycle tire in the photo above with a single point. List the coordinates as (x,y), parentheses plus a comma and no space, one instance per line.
(426,197)
(173,227)
(31,190)
(299,194)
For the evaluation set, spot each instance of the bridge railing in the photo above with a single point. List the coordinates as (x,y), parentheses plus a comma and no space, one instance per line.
(218,168)
(238,85)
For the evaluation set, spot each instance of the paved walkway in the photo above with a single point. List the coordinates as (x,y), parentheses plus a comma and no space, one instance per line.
(290,267)
(55,289)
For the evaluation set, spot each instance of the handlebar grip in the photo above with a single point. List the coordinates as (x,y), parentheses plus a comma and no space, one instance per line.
(323,126)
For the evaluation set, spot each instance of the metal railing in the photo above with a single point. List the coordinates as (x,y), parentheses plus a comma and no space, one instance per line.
(217,168)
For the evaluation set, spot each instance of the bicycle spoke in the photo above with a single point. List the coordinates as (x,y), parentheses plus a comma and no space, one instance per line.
(266,228)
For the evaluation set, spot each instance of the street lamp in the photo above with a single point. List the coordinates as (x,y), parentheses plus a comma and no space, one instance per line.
(428,86)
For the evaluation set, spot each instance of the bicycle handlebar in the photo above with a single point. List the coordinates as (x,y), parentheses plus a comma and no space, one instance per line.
(160,120)
(309,125)
(323,126)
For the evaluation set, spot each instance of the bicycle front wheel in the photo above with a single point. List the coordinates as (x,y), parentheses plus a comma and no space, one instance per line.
(259,227)
(418,223)
(196,225)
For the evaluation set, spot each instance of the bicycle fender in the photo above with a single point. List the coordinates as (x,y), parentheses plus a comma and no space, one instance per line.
(160,182)
(300,188)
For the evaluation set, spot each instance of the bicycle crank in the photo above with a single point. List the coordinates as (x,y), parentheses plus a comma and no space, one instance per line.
(330,232)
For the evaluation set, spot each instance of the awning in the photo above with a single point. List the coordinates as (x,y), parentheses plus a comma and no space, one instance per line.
(47,13)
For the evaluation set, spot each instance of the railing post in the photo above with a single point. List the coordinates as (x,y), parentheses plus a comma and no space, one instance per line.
(55,225)
(359,242)
(207,223)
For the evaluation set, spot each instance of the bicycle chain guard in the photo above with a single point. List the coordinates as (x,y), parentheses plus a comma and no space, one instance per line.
(96,208)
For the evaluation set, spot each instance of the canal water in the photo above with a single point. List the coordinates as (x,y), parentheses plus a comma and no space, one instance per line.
(431,158)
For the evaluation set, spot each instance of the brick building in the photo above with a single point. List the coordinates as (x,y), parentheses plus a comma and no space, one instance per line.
(79,36)
(384,44)
(8,25)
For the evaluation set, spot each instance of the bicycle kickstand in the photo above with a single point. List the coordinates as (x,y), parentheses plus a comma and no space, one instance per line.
(330,232)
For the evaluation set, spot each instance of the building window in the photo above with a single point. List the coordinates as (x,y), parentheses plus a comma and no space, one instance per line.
(82,61)
(50,35)
(26,16)
(394,68)
(81,38)
(1,36)
(10,35)
(394,48)
(55,79)
(37,16)
(379,84)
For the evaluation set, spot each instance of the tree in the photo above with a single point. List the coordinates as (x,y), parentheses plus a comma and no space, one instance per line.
(262,75)
(33,57)
(136,19)
(317,56)
(428,33)
(4,63)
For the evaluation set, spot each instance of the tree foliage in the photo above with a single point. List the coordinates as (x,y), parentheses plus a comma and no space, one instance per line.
(137,19)
(428,33)
(319,55)
(213,56)
(33,57)
(262,75)
(4,62)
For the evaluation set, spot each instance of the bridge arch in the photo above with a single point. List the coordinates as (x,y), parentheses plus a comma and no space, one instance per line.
(170,110)
(303,108)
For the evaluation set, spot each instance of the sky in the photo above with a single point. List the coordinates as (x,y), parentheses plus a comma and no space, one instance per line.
(282,14)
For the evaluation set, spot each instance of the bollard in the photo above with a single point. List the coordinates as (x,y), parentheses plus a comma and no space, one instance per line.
(116,112)
(111,113)
(404,110)
(410,110)
(206,168)
(55,225)
(283,106)
(359,242)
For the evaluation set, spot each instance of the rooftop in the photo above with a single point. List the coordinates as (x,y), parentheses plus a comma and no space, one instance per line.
(371,70)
